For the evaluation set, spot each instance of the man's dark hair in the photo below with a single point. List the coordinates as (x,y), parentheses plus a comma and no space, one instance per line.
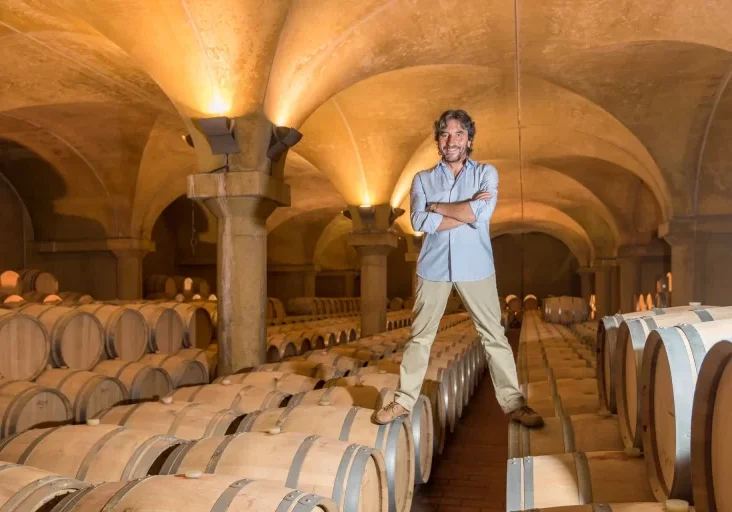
(460,116)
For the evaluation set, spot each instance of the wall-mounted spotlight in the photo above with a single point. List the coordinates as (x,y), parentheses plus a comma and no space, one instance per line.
(283,138)
(188,140)
(219,132)
(395,214)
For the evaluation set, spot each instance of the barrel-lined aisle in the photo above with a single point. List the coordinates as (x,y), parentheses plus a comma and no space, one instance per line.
(269,407)
(670,370)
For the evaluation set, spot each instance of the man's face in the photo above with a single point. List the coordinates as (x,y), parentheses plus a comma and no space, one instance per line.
(453,142)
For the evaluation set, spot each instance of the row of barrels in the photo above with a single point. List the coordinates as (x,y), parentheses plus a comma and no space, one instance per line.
(164,286)
(316,441)
(672,375)
(18,282)
(290,340)
(298,306)
(565,310)
(36,335)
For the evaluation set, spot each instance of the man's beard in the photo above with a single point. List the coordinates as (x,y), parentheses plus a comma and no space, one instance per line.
(455,156)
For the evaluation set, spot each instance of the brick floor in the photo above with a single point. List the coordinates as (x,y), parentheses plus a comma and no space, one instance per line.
(470,476)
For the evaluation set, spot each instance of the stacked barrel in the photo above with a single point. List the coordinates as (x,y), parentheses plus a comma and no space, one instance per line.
(650,434)
(293,435)
(565,310)
(66,363)
(18,288)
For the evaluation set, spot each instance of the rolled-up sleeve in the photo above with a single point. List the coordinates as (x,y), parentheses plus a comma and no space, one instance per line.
(483,208)
(422,221)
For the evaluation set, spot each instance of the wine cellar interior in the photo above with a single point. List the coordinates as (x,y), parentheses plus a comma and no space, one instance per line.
(208,269)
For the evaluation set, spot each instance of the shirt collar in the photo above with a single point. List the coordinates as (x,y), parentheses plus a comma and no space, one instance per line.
(469,164)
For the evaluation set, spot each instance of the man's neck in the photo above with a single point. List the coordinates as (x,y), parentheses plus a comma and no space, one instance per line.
(456,167)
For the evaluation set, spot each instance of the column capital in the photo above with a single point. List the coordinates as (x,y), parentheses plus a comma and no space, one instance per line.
(375,242)
(372,218)
(237,194)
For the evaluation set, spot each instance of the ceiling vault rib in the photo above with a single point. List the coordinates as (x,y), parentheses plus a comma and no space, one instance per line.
(199,41)
(355,148)
(83,159)
(93,71)
(517,56)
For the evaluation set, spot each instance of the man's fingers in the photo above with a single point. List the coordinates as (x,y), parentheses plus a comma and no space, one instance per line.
(483,195)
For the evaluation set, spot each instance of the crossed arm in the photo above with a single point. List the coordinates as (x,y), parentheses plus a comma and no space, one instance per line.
(435,217)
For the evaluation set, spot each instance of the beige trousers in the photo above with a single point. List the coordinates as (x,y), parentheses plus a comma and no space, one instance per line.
(481,301)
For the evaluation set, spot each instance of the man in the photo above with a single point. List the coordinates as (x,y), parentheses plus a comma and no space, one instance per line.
(452,204)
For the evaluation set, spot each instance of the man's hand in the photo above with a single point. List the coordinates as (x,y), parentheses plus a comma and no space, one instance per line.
(482,195)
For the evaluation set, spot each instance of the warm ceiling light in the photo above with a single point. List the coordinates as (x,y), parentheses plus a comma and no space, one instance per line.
(219,134)
(283,138)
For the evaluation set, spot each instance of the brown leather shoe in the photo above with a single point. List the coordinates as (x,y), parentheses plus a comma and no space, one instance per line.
(527,416)
(389,413)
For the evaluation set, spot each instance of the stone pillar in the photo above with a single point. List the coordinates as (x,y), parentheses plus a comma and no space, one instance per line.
(241,201)
(686,261)
(308,283)
(603,291)
(129,253)
(586,278)
(349,285)
(629,283)
(373,248)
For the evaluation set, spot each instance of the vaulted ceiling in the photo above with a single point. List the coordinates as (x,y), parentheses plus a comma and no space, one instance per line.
(604,118)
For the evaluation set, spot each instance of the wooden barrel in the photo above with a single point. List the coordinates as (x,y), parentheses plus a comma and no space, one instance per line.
(31,489)
(183,372)
(353,475)
(394,440)
(25,405)
(565,434)
(607,330)
(306,368)
(239,397)
(77,337)
(396,304)
(93,453)
(126,333)
(301,306)
(340,362)
(213,311)
(286,345)
(531,303)
(278,308)
(35,280)
(42,298)
(631,341)
(372,397)
(11,283)
(166,327)
(76,298)
(160,284)
(143,381)
(179,419)
(25,346)
(183,284)
(198,328)
(88,392)
(710,439)
(513,303)
(214,493)
(671,362)
(289,383)
(574,479)
(201,286)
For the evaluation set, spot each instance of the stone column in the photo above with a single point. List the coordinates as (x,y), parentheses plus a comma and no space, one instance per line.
(308,283)
(349,285)
(130,253)
(241,201)
(603,291)
(686,261)
(373,248)
(629,283)
(586,278)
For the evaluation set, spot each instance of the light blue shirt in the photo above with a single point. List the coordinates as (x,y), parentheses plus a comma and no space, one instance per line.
(463,253)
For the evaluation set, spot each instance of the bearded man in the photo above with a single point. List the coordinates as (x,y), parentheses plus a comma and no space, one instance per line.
(452,204)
